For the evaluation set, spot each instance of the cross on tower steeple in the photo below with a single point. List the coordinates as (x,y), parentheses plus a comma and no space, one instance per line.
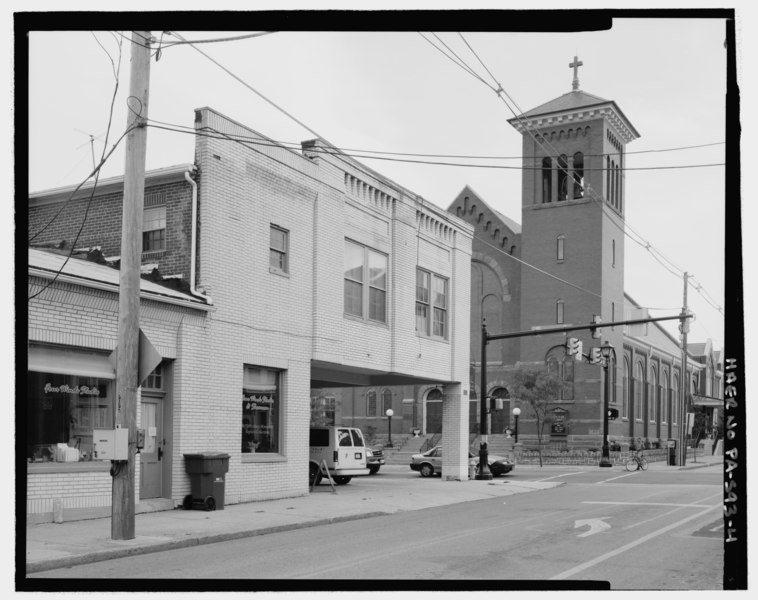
(575,65)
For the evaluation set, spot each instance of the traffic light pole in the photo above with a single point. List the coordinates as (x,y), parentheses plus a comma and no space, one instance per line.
(483,471)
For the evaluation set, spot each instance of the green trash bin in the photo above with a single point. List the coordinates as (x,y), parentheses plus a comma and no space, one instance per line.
(207,471)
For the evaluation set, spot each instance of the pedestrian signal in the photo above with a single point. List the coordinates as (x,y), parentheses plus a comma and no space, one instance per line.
(613,413)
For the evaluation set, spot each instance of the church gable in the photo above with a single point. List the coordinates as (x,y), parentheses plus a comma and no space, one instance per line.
(489,225)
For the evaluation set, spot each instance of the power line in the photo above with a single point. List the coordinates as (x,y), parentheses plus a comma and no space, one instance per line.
(366,154)
(215,40)
(585,188)
(461,64)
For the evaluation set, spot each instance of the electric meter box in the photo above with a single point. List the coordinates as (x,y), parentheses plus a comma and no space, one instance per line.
(110,444)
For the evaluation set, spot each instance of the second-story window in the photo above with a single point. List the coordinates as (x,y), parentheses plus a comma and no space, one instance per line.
(431,304)
(278,252)
(365,282)
(560,247)
(154,228)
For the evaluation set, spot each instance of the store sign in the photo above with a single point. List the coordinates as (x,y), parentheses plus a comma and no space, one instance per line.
(82,390)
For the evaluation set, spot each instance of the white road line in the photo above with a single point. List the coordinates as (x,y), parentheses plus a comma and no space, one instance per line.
(630,545)
(619,477)
(648,504)
(557,476)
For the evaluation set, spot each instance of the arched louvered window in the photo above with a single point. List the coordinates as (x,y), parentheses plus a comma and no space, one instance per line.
(562,178)
(547,180)
(578,175)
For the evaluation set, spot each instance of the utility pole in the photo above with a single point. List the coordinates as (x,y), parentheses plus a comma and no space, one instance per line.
(123,472)
(685,382)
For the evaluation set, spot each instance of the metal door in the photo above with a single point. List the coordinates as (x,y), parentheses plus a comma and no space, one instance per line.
(151,455)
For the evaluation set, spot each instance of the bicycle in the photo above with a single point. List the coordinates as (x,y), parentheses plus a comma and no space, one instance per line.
(636,463)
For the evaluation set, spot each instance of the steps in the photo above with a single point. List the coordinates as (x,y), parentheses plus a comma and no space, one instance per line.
(497,444)
(402,452)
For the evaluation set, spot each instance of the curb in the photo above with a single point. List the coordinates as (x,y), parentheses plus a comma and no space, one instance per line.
(102,555)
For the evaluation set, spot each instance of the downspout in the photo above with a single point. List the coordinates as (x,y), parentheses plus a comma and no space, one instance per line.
(193,250)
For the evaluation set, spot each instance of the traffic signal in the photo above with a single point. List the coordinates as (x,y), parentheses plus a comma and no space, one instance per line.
(596,331)
(613,413)
(578,354)
(596,356)
(573,347)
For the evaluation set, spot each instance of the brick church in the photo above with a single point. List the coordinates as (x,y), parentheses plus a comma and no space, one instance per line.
(563,265)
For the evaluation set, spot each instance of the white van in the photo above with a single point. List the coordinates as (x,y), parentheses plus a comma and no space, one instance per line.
(343,451)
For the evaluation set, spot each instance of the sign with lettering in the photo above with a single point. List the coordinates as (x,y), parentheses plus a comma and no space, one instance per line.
(559,426)
(82,390)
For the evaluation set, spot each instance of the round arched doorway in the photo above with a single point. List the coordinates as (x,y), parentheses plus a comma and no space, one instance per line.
(433,411)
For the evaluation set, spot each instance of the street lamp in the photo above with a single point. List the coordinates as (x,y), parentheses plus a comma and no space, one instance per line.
(389,414)
(516,413)
(606,352)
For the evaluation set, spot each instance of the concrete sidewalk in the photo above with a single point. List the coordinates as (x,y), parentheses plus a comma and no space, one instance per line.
(52,545)
(57,545)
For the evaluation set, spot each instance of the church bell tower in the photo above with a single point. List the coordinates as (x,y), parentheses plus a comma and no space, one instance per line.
(573,205)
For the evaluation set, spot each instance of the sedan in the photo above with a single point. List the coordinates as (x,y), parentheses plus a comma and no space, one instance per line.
(430,463)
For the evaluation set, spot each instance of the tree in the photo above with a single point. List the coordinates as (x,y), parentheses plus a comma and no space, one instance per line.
(538,389)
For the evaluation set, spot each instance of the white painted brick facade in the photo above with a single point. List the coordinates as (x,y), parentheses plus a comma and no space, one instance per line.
(275,320)
(285,321)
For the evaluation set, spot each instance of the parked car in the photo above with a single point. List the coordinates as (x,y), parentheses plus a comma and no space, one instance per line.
(374,459)
(430,463)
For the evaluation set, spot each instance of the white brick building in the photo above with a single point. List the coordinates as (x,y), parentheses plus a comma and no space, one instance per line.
(321,273)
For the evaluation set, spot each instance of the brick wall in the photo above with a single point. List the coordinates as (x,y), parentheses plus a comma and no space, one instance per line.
(60,219)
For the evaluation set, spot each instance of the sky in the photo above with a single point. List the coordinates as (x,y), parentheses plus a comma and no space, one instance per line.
(397,92)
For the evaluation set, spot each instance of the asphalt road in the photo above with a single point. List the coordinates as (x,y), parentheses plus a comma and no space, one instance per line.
(654,530)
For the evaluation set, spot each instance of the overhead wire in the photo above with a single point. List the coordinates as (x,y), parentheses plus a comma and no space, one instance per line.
(95,172)
(370,154)
(598,201)
(460,62)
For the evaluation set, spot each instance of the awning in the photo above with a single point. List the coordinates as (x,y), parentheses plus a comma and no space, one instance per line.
(61,361)
(698,400)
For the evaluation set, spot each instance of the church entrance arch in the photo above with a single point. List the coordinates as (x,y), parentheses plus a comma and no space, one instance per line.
(433,412)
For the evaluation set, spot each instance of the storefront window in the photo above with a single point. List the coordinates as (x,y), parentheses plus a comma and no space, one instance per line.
(62,411)
(260,410)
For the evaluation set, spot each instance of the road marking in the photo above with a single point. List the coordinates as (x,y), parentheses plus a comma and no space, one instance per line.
(619,477)
(630,545)
(648,504)
(595,526)
(557,476)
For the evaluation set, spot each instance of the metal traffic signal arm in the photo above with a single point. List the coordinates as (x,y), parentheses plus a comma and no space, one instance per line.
(483,471)
(590,326)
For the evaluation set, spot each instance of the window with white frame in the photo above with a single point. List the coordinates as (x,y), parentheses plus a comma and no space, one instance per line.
(278,249)
(431,304)
(365,282)
(154,228)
